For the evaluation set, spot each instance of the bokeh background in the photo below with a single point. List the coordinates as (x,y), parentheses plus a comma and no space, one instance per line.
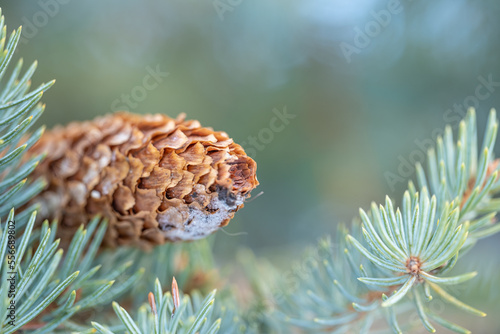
(365,81)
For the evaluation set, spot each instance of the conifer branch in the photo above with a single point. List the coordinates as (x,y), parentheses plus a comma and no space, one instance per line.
(394,260)
(169,313)
(19,109)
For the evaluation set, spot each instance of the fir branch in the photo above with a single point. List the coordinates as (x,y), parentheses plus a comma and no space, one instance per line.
(193,263)
(399,256)
(49,293)
(19,109)
(429,234)
(163,315)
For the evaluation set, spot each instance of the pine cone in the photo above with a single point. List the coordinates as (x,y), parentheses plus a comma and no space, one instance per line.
(154,178)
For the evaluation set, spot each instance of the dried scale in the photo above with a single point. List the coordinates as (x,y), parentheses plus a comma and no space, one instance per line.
(154,178)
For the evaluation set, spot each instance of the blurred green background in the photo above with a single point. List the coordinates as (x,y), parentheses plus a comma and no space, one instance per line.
(365,81)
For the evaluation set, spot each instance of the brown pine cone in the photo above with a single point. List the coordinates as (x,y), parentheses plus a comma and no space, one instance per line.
(154,178)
